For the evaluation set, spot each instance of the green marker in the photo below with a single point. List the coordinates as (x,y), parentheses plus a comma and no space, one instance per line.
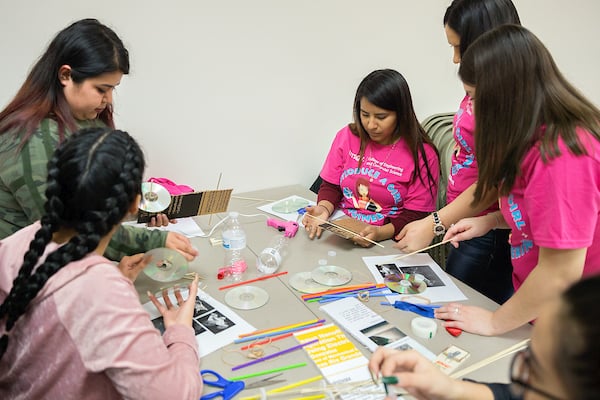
(388,380)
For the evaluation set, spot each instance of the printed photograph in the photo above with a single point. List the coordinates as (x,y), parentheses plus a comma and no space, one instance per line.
(201,307)
(215,322)
(159,324)
(403,347)
(430,277)
(198,329)
(383,333)
(387,269)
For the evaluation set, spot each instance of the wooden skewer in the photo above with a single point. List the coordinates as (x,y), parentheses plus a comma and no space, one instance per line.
(346,230)
(423,249)
(250,198)
(501,354)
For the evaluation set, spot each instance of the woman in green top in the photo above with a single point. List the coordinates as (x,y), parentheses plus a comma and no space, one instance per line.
(69,88)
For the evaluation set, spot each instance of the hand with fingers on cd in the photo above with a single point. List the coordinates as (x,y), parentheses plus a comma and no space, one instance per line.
(176,241)
(165,265)
(131,266)
(313,217)
(180,312)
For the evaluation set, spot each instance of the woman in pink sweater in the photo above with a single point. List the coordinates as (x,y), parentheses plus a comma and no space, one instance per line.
(71,325)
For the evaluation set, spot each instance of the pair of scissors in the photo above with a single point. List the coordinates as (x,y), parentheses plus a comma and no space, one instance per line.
(230,388)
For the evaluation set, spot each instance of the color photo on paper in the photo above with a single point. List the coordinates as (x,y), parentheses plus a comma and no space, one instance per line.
(383,333)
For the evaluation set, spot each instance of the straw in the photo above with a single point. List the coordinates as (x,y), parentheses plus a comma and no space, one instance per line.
(312,321)
(267,341)
(267,372)
(260,278)
(264,335)
(277,354)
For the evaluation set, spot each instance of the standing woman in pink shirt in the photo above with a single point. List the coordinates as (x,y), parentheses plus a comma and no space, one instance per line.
(71,324)
(483,262)
(537,140)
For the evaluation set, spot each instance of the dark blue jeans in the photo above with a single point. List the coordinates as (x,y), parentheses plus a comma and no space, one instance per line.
(484,264)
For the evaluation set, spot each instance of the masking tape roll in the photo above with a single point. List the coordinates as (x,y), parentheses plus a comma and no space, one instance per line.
(424,327)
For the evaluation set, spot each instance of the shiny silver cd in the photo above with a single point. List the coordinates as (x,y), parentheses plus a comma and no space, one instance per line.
(165,265)
(246,297)
(155,197)
(304,283)
(331,275)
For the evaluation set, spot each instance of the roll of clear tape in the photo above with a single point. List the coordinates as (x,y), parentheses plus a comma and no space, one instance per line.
(422,327)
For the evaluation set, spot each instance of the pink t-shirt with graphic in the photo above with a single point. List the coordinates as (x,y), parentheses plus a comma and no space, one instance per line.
(463,172)
(380,189)
(555,205)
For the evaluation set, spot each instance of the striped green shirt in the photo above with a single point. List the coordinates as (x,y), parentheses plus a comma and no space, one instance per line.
(23,177)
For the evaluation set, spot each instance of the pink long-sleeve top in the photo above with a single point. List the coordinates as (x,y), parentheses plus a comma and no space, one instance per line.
(86,336)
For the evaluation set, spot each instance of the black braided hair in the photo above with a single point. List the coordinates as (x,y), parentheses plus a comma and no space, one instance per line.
(93,178)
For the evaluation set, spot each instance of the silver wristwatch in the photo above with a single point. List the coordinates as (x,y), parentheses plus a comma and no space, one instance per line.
(438,228)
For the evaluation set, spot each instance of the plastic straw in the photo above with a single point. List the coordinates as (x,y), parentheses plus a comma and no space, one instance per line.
(260,278)
(264,335)
(280,328)
(277,354)
(267,372)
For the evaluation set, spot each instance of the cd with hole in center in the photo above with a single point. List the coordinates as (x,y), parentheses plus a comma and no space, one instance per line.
(246,297)
(155,197)
(289,206)
(165,265)
(331,275)
(405,283)
(304,283)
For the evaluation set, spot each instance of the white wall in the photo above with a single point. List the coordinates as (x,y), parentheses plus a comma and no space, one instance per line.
(256,89)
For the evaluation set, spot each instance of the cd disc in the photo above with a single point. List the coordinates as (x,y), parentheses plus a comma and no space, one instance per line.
(303,282)
(404,284)
(331,275)
(288,206)
(155,198)
(246,297)
(165,265)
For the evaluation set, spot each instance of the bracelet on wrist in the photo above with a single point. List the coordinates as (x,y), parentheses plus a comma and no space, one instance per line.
(326,209)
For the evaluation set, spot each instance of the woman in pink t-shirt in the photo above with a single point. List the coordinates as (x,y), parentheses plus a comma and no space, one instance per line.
(484,262)
(538,142)
(381,170)
(71,324)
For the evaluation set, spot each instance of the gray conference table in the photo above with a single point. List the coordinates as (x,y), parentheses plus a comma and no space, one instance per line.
(285,305)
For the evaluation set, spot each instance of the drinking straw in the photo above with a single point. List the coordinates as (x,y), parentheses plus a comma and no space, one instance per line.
(277,354)
(260,278)
(267,371)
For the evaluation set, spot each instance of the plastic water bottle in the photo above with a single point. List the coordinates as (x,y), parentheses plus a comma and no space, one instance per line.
(234,242)
(271,257)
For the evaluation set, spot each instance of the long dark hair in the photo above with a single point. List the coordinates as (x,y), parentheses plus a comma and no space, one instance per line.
(90,49)
(93,179)
(577,351)
(387,89)
(472,18)
(519,90)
